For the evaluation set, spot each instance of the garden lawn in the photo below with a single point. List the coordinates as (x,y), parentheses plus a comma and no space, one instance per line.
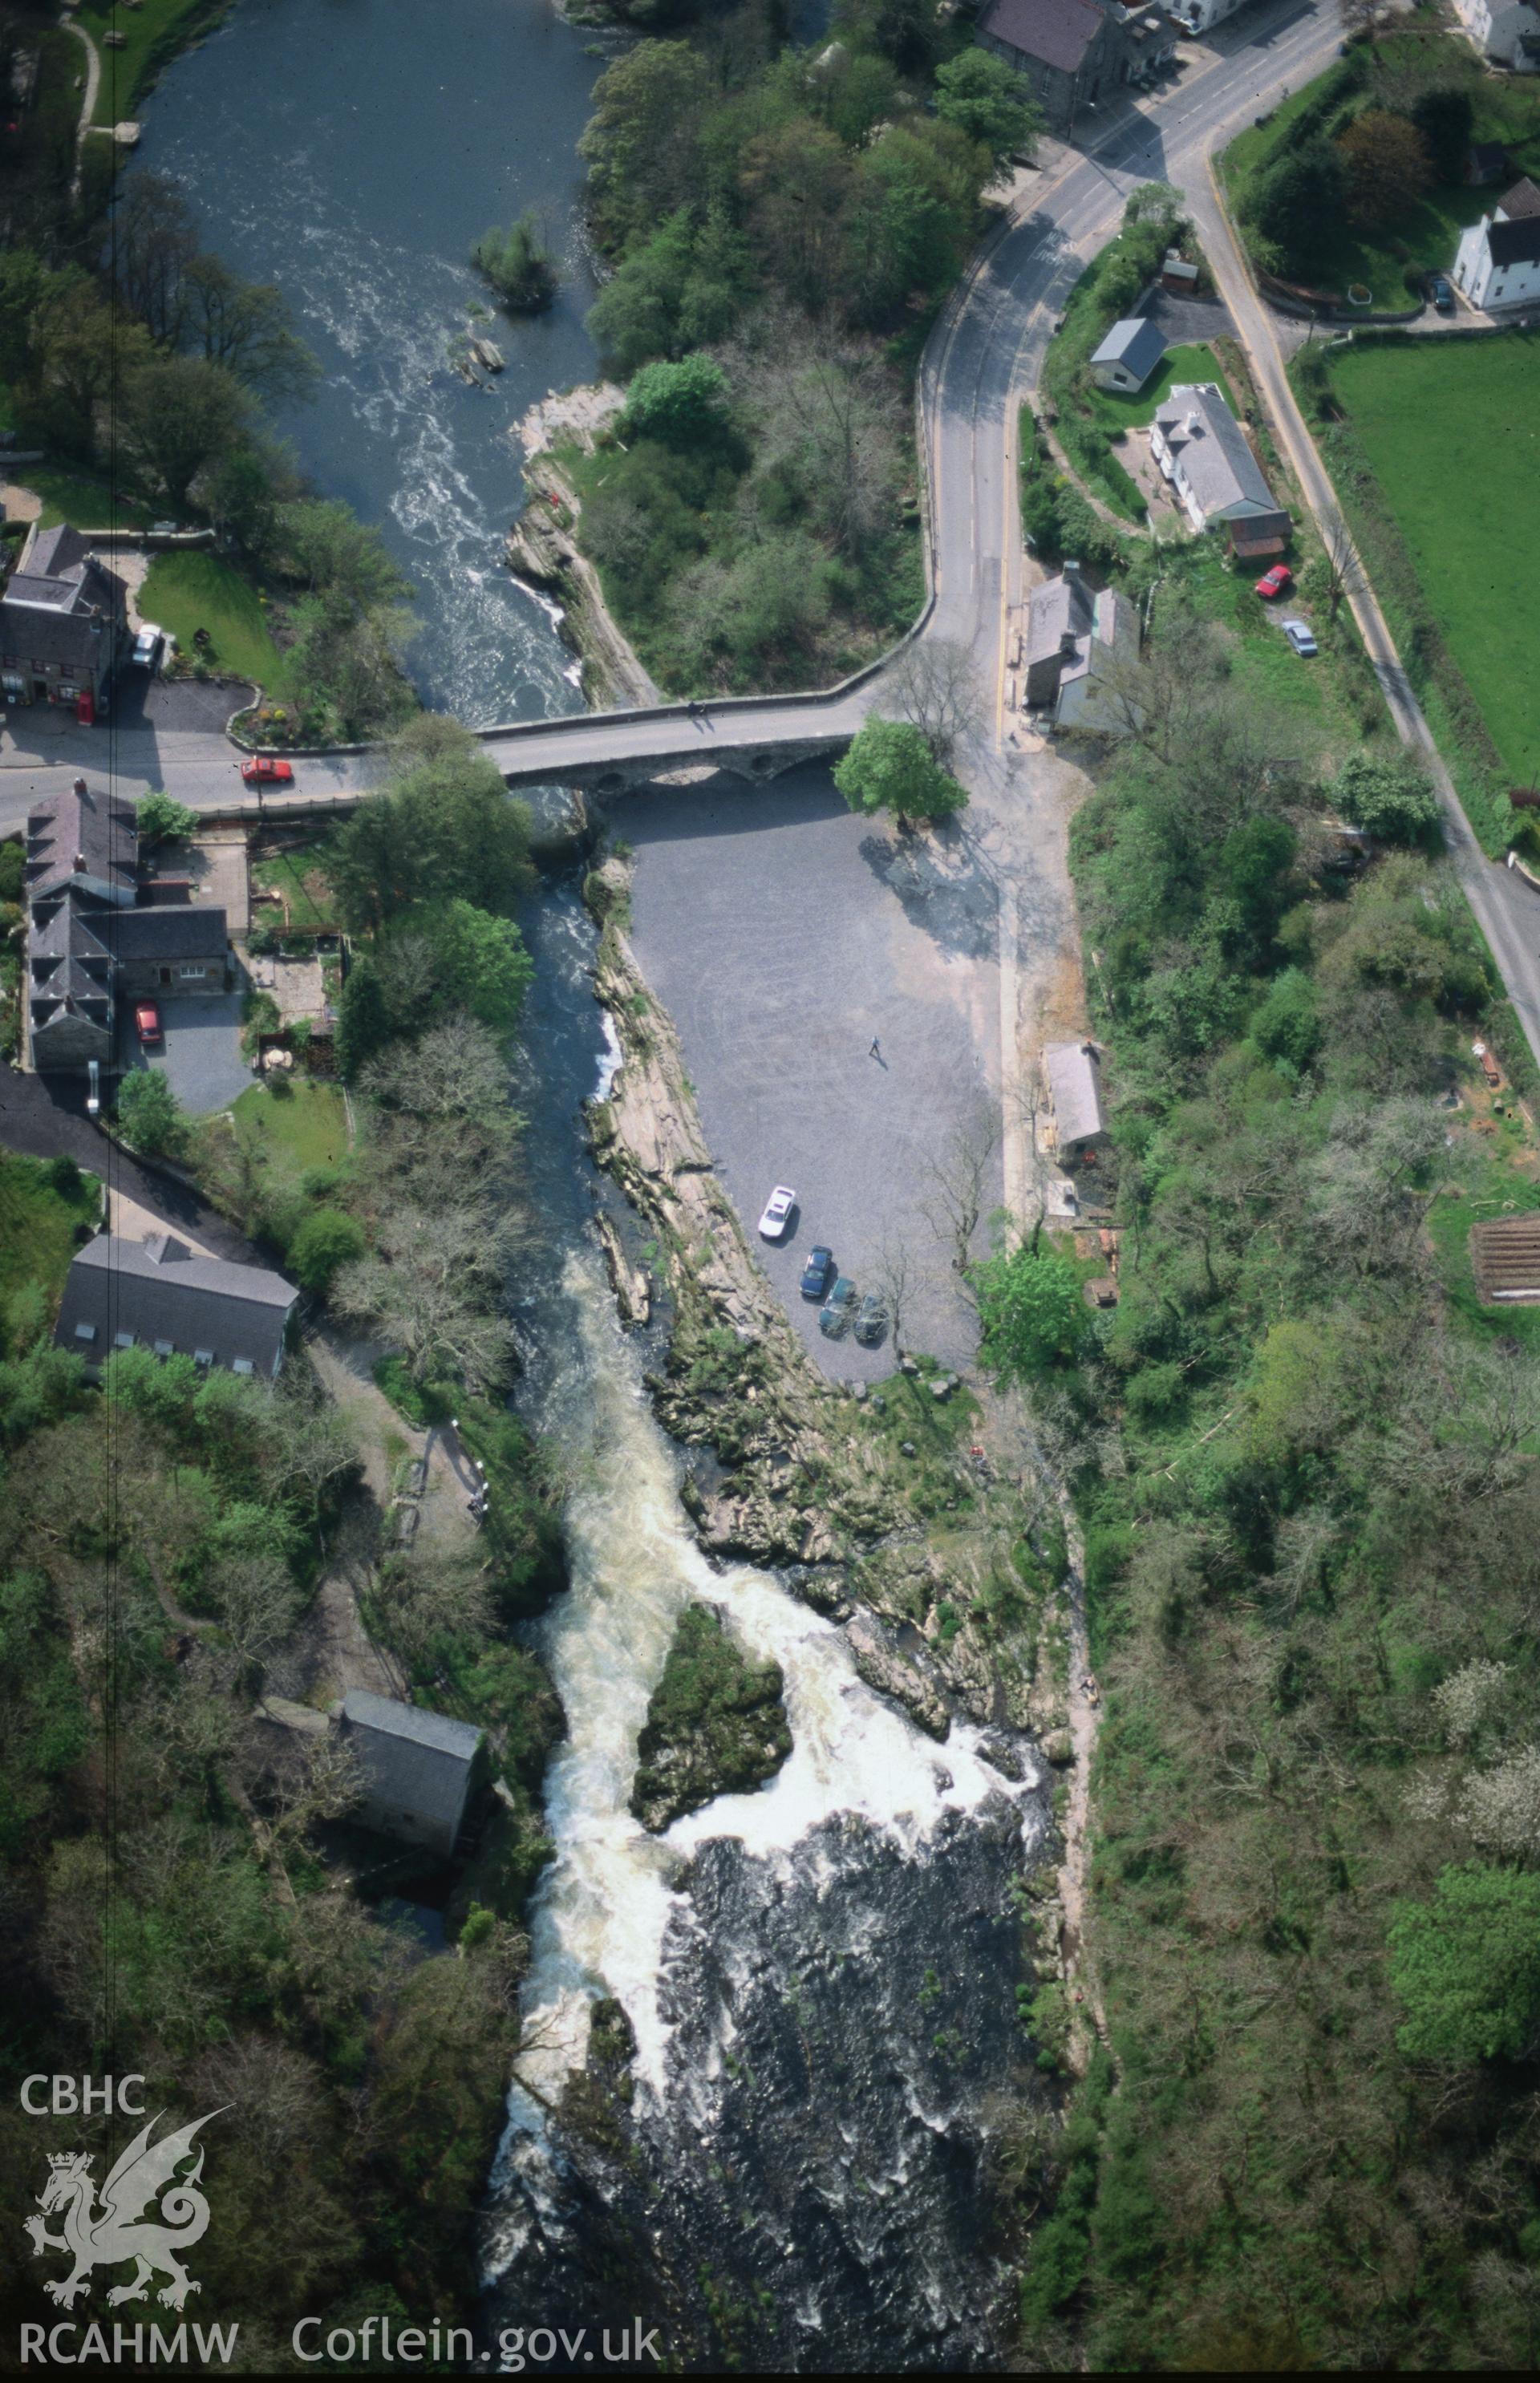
(84,503)
(189,591)
(37,1226)
(1451,429)
(1310,693)
(155,32)
(298,877)
(1193,363)
(296,1130)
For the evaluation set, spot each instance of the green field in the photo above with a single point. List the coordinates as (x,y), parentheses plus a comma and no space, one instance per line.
(155,35)
(1451,430)
(1191,364)
(193,590)
(37,1226)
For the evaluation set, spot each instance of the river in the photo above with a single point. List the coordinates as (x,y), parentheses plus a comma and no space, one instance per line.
(819,1979)
(351,151)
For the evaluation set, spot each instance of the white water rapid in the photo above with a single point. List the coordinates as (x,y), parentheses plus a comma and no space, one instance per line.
(603,1909)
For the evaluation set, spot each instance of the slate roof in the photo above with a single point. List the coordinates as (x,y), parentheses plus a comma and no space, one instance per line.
(61,580)
(99,828)
(64,929)
(1515,243)
(1113,632)
(1217,463)
(1135,343)
(172,931)
(1075,1085)
(418,1761)
(161,1291)
(1057,611)
(1059,32)
(1522,200)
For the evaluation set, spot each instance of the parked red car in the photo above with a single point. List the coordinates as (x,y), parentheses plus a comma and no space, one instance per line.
(147,1022)
(1274,581)
(262,771)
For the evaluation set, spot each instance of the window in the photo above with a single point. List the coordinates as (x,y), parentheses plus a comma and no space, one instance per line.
(164,1348)
(122,1340)
(203,1356)
(85,1331)
(241,1365)
(197,969)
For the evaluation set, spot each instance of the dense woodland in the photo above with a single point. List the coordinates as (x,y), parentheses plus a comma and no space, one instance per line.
(1304,1458)
(163,1541)
(783,224)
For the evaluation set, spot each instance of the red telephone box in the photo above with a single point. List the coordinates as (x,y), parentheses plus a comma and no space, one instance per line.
(85,709)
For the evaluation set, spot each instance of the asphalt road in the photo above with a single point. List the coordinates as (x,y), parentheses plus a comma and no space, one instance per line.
(1507,910)
(45,1118)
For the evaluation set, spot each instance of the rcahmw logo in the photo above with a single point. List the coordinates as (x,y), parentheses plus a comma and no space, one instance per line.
(145,2214)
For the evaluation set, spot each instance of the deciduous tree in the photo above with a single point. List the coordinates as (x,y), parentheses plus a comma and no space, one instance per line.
(890,768)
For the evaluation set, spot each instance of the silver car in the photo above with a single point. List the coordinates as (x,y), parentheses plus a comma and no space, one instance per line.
(1299,637)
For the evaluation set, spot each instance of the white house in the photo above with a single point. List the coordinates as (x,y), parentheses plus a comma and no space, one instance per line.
(1497,262)
(1203,452)
(1127,356)
(1507,31)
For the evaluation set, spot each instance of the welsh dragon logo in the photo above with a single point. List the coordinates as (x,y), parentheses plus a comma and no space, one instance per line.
(118,2232)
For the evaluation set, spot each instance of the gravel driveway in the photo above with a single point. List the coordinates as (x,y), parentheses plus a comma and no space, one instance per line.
(782,935)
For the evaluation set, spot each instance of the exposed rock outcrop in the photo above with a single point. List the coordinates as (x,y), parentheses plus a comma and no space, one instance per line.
(716,1724)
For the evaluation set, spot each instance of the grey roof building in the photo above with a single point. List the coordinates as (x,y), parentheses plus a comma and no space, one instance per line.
(1078,643)
(62,619)
(162,1295)
(419,1768)
(1074,1077)
(1072,52)
(1204,453)
(88,945)
(82,841)
(1128,355)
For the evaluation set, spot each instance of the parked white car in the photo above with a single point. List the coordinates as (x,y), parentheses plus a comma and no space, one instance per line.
(147,645)
(778,1209)
(1299,637)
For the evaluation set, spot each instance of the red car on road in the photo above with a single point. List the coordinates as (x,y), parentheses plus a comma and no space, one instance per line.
(1274,581)
(147,1022)
(262,771)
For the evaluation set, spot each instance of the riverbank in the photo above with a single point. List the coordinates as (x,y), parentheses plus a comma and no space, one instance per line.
(543,551)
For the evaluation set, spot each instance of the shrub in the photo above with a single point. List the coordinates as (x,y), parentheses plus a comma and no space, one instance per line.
(160,816)
(13,862)
(149,1116)
(1391,797)
(328,1239)
(63,1174)
(677,402)
(1466,1967)
(518,264)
